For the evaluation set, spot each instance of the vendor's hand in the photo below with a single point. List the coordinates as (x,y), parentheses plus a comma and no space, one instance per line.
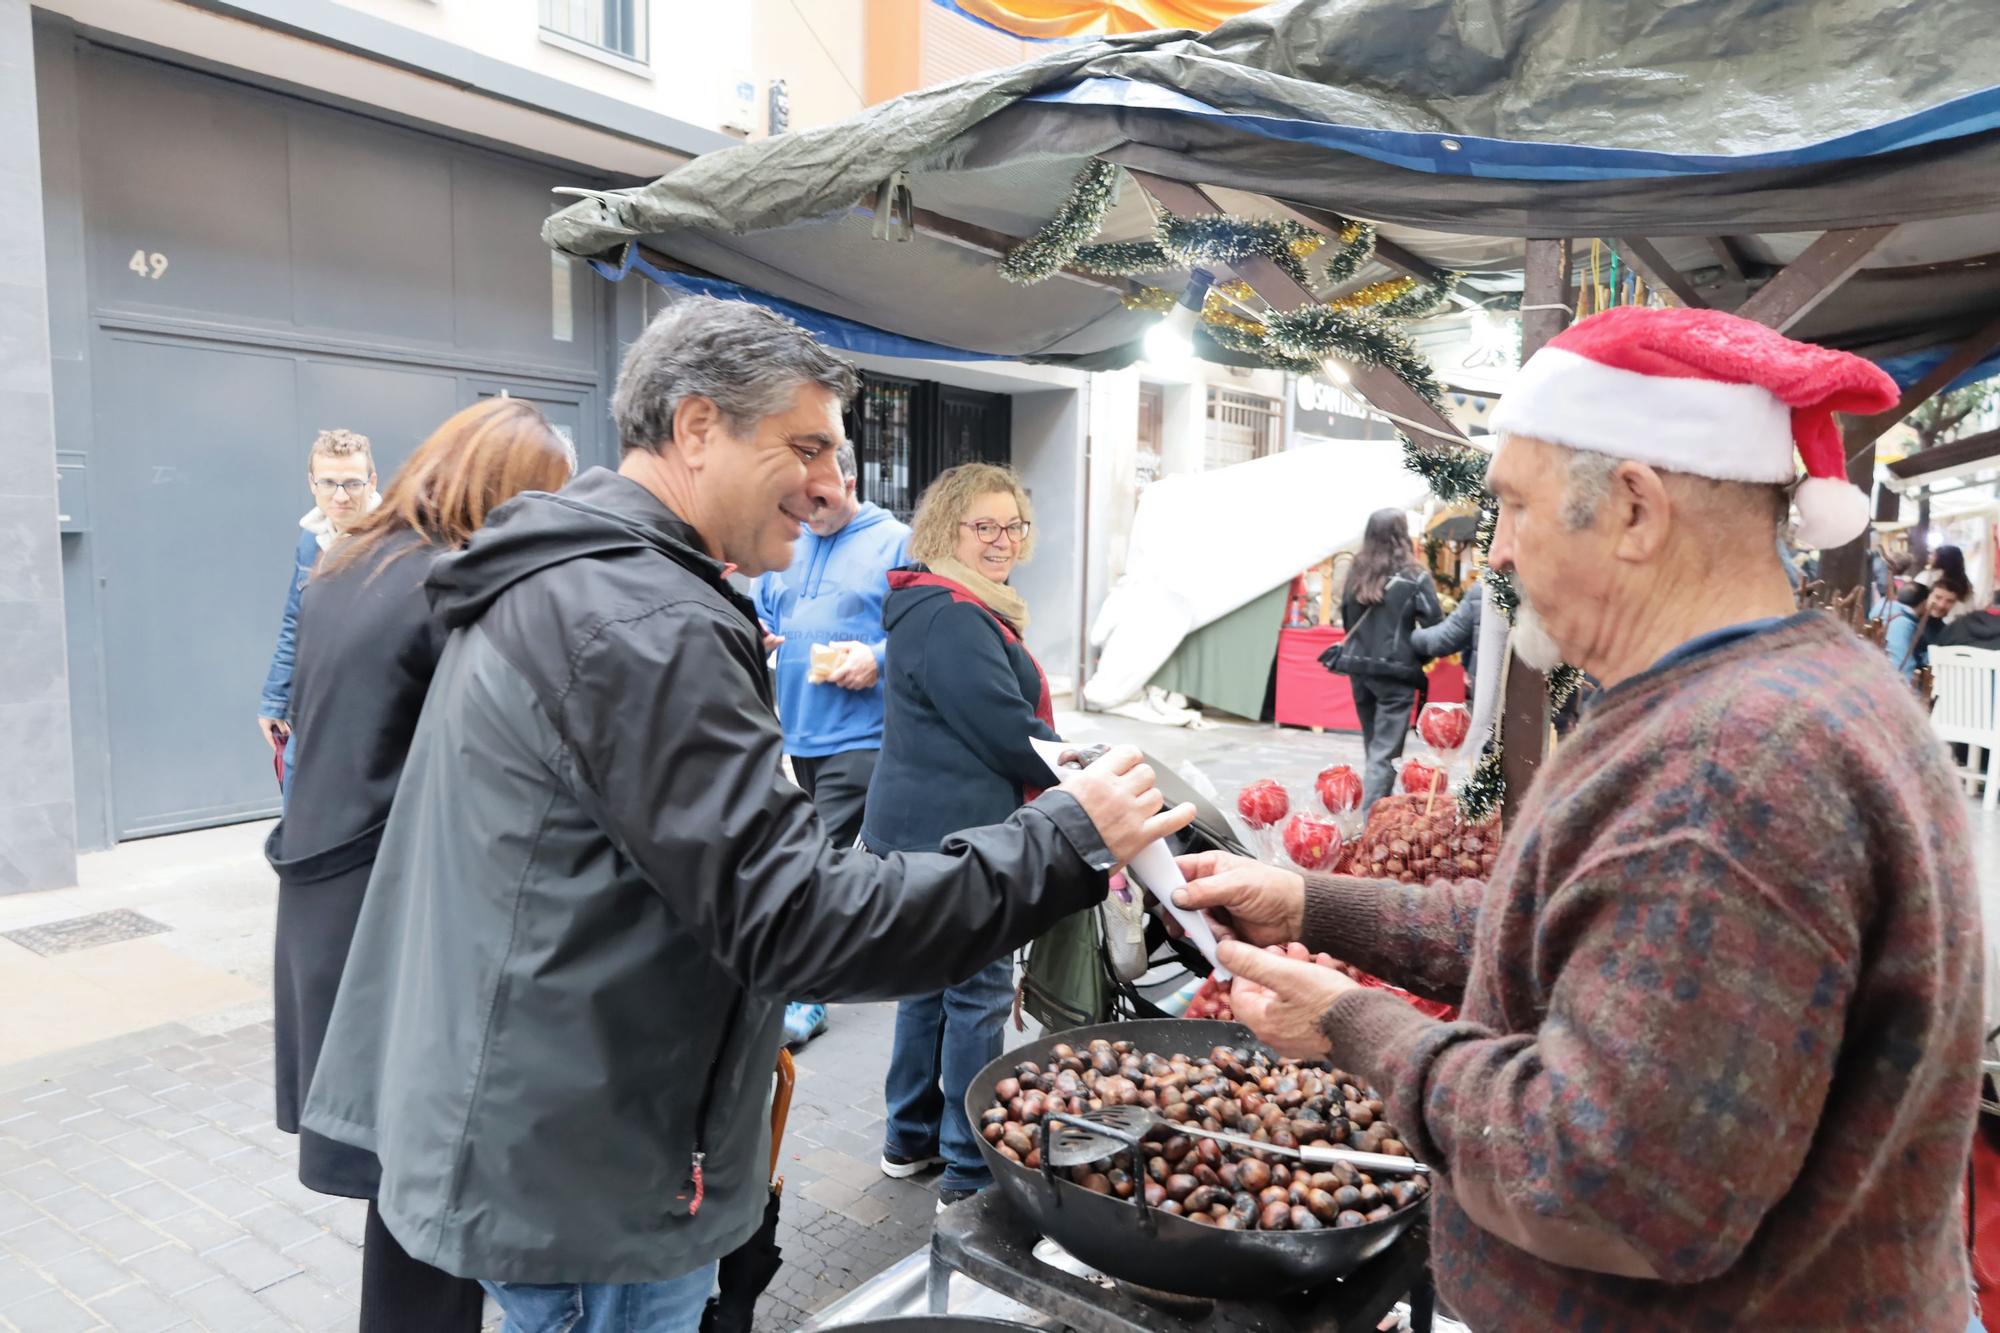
(276,731)
(856,668)
(1251,901)
(1282,1000)
(1119,794)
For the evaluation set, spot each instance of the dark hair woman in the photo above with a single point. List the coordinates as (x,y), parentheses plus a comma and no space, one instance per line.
(367,648)
(1388,595)
(963,698)
(1946,569)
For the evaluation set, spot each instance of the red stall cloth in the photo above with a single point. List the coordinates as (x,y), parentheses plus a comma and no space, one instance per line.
(1311,696)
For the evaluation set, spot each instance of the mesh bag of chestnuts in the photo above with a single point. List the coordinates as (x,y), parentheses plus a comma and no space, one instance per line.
(1414,840)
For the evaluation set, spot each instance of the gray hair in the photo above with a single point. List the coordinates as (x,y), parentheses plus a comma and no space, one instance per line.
(745,359)
(849,464)
(1587,485)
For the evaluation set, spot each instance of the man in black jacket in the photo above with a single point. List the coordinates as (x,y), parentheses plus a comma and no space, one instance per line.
(596,890)
(1981,629)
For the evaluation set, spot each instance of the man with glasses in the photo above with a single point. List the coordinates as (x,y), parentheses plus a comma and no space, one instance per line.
(823,614)
(341,474)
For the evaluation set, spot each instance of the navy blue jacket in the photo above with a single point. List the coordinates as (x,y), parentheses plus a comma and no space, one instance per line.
(277,698)
(961,707)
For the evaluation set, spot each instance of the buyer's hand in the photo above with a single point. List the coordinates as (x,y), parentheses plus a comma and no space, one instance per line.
(1281,999)
(771,641)
(856,669)
(276,731)
(1119,794)
(1248,899)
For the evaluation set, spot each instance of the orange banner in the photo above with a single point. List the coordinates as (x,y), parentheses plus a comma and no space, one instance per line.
(1045,19)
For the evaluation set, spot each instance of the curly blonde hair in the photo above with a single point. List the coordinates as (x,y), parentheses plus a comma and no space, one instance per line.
(341,444)
(946,501)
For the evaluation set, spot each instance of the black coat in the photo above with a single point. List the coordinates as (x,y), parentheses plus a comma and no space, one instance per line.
(595,894)
(367,648)
(1981,629)
(959,709)
(1378,646)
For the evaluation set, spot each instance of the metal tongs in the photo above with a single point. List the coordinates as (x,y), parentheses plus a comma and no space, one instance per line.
(1092,1136)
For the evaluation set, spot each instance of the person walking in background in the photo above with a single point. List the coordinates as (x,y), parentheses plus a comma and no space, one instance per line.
(965,698)
(1916,618)
(340,471)
(367,647)
(1387,598)
(1456,633)
(823,614)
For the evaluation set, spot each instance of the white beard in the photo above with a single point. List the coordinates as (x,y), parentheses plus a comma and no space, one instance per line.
(1531,640)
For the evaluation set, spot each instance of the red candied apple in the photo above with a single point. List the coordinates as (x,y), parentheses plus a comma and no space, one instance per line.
(1444,727)
(1311,844)
(1419,778)
(1263,804)
(1339,789)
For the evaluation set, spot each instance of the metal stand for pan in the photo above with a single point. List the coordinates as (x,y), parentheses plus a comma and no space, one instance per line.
(989,1241)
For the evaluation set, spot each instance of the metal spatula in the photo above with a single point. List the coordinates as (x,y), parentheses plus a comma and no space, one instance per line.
(1092,1136)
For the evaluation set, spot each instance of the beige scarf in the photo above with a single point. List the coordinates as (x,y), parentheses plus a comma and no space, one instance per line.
(1002,600)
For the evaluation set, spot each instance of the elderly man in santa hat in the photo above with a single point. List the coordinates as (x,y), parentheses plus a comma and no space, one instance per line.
(1718,1055)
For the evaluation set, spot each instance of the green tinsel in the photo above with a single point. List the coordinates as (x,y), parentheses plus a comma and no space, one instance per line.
(1426,300)
(1482,792)
(1564,682)
(1455,475)
(1214,239)
(1074,223)
(1316,332)
(1124,259)
(1346,260)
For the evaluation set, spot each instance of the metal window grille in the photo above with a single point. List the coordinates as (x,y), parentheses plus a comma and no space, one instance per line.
(1151,442)
(1241,426)
(906,432)
(618,26)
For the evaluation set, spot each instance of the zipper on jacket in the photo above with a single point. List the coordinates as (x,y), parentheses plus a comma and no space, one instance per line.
(694,1186)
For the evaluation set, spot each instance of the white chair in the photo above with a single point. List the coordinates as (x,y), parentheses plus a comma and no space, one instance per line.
(1965,682)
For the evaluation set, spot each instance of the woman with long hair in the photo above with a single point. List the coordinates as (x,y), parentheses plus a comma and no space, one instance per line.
(1388,596)
(964,696)
(367,647)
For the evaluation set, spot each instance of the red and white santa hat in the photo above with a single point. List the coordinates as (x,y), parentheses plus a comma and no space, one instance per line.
(1707,393)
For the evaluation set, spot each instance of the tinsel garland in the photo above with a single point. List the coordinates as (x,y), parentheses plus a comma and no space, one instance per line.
(1315,332)
(1075,222)
(1215,239)
(1357,247)
(1124,259)
(1564,682)
(1481,793)
(1422,300)
(1377,294)
(1158,300)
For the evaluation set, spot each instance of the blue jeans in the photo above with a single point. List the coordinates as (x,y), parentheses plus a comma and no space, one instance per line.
(673,1306)
(942,1040)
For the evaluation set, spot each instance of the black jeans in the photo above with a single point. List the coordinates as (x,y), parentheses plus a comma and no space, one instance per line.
(838,785)
(1384,707)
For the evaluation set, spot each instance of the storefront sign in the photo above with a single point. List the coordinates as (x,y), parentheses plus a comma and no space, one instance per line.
(1331,412)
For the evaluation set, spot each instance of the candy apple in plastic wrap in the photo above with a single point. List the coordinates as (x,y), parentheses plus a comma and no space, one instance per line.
(1263,804)
(1313,844)
(1339,789)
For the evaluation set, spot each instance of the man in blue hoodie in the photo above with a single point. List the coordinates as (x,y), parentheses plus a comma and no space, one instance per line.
(828,605)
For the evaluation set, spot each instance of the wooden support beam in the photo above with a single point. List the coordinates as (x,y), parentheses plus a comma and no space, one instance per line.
(1644,256)
(1377,384)
(1524,712)
(1864,431)
(1972,449)
(1813,276)
(1730,257)
(986,241)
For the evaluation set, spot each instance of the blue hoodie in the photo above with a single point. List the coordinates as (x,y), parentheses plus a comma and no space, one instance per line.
(832,592)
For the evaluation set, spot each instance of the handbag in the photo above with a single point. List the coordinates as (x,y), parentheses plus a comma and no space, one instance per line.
(1331,659)
(1065,983)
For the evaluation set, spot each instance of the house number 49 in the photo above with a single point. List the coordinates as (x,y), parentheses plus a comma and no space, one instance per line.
(152,265)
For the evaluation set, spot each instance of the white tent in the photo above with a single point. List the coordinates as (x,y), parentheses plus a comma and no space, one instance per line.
(1204,544)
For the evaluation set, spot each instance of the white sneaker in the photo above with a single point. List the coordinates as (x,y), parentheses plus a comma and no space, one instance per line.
(898,1167)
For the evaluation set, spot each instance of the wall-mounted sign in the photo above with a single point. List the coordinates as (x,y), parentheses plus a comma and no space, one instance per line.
(1332,412)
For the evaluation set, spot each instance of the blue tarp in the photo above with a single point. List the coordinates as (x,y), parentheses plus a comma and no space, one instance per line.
(1469,155)
(832,330)
(1907,370)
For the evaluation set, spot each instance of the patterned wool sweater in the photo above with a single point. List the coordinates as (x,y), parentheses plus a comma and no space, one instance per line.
(1721,1012)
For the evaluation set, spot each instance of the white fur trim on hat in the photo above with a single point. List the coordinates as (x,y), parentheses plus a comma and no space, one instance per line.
(1832,512)
(1732,432)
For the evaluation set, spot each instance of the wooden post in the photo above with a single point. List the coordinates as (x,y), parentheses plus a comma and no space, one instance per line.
(1524,712)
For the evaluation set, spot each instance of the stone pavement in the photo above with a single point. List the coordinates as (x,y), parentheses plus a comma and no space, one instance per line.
(143,1187)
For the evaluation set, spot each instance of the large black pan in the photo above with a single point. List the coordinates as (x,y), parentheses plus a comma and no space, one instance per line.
(1125,1239)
